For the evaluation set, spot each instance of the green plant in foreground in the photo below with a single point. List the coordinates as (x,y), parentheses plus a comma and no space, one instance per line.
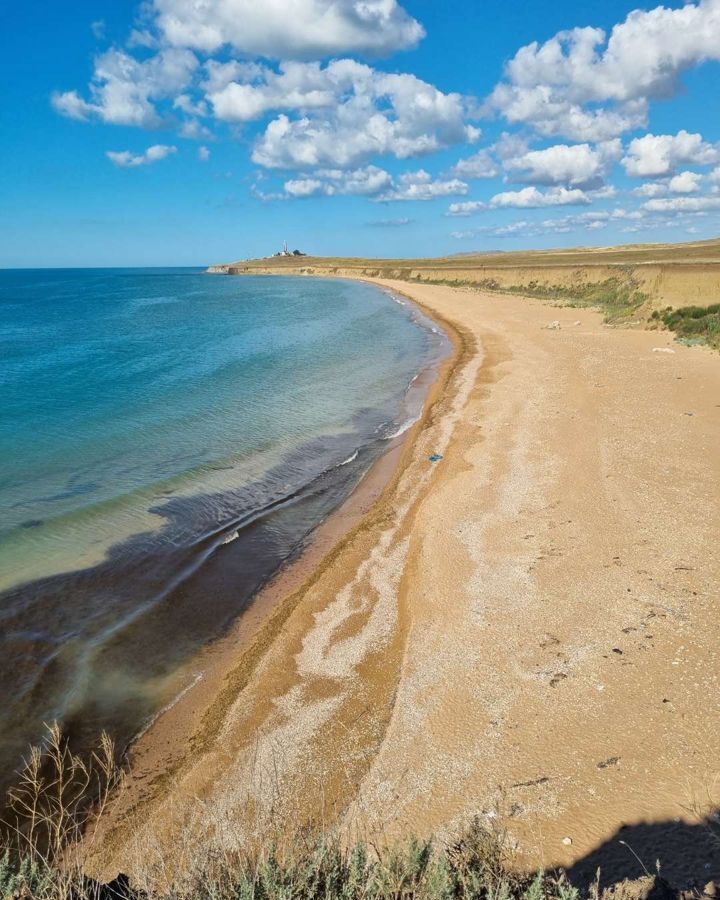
(60,800)
(22,877)
(473,867)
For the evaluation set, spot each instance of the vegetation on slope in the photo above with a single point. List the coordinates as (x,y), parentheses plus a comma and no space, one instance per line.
(58,804)
(625,282)
(693,324)
(618,298)
(60,801)
(473,867)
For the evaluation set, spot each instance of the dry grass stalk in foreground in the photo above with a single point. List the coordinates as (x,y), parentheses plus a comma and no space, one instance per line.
(58,805)
(52,817)
(60,800)
(312,867)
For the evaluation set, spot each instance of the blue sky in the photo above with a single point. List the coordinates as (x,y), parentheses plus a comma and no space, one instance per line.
(179,133)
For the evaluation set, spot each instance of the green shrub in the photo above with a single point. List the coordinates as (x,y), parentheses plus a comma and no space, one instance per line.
(616,297)
(694,324)
(473,868)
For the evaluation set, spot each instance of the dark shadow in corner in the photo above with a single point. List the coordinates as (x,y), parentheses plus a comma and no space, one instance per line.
(688,855)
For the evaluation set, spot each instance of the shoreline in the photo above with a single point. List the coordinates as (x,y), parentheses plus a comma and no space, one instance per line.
(193,718)
(519,632)
(294,571)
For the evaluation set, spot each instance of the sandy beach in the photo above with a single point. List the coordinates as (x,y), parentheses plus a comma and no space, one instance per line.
(522,629)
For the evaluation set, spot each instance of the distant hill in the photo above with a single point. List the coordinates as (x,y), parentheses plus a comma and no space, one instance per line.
(628,254)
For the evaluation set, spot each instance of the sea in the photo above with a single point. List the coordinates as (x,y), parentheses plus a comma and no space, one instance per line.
(169,440)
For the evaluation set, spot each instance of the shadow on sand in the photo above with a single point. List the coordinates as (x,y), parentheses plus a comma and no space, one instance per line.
(661,861)
(688,857)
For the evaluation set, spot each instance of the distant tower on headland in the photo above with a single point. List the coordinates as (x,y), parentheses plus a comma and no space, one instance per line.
(286,252)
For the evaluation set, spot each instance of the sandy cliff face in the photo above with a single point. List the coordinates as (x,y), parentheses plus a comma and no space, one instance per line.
(673,283)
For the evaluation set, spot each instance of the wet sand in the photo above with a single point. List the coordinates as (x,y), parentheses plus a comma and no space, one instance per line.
(524,629)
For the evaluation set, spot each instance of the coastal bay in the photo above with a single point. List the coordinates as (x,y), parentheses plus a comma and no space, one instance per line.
(516,630)
(162,463)
(360,451)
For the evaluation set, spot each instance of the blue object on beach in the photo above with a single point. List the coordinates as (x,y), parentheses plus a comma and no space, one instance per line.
(436,457)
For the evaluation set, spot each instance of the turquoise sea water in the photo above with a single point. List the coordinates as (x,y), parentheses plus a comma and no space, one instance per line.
(167,440)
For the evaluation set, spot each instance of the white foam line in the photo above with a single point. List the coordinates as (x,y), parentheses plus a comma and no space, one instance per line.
(403,428)
(198,677)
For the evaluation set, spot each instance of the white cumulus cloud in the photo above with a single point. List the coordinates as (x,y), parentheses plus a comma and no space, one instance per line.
(466,208)
(123,89)
(420,185)
(577,165)
(527,198)
(651,189)
(390,223)
(587,221)
(532,198)
(683,204)
(306,187)
(367,181)
(655,155)
(685,183)
(127,160)
(588,86)
(349,112)
(242,93)
(479,165)
(341,113)
(288,29)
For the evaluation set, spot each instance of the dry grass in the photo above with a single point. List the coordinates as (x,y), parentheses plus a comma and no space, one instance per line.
(60,800)
(52,816)
(53,838)
(321,867)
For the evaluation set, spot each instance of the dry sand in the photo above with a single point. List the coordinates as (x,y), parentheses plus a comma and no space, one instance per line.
(525,629)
